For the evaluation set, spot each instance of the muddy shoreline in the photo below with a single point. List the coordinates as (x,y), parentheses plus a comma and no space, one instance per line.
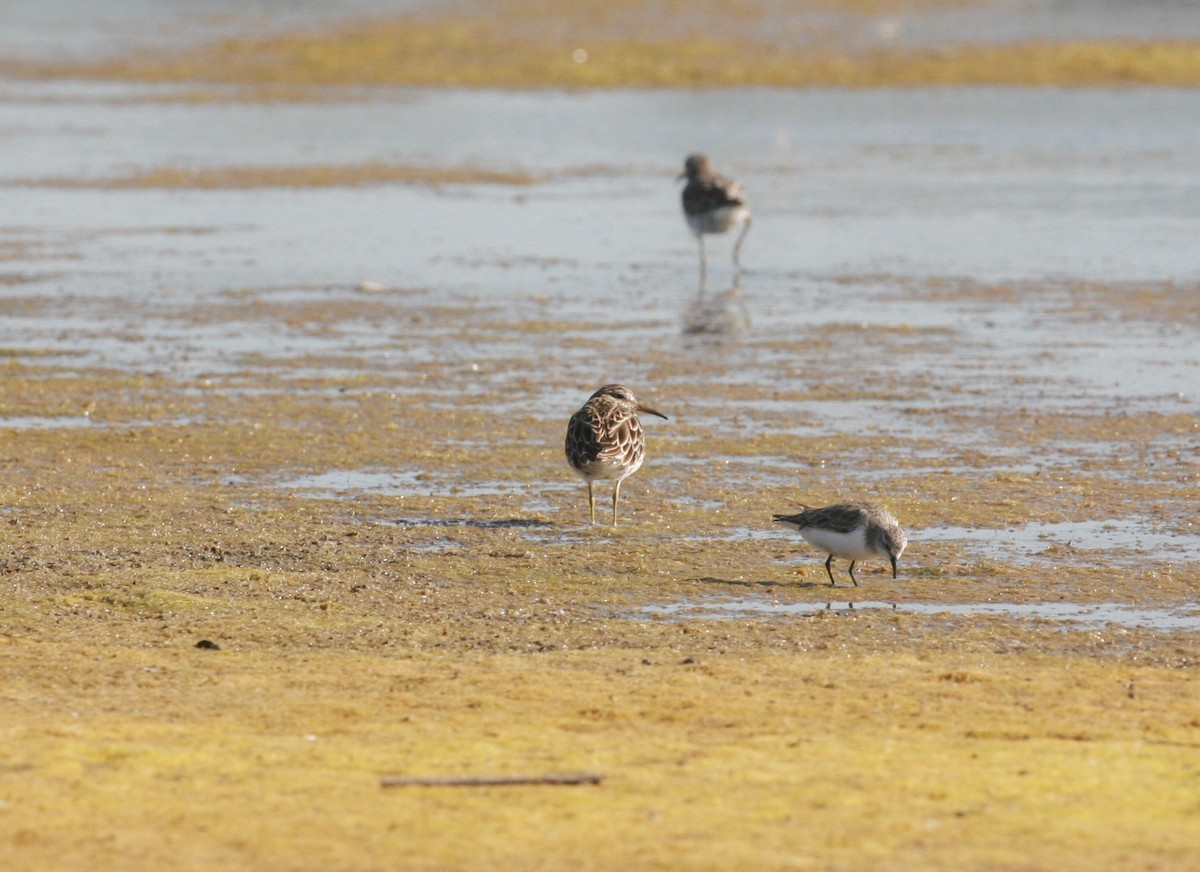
(283,390)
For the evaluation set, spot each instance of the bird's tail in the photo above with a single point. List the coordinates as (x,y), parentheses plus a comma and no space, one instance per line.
(798,520)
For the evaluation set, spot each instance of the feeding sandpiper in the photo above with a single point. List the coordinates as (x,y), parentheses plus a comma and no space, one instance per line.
(713,203)
(605,440)
(855,531)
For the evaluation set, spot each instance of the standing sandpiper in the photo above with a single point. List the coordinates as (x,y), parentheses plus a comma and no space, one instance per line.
(605,440)
(854,531)
(712,204)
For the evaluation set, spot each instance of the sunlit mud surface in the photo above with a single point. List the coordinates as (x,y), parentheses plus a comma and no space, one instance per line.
(293,379)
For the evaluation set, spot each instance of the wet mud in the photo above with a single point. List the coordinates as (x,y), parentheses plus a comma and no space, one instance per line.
(395,565)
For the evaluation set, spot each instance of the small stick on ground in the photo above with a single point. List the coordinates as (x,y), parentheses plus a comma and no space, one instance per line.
(489,780)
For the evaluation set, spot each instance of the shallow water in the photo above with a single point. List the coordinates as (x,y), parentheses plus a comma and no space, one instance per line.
(1073,615)
(1127,541)
(986,185)
(344,484)
(42,422)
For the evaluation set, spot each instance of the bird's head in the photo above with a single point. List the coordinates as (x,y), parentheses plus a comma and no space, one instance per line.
(895,542)
(696,165)
(624,397)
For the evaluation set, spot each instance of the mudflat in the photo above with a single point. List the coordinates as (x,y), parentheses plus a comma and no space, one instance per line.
(284,382)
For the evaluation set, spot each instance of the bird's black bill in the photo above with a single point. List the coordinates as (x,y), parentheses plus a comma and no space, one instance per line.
(650,411)
(893,567)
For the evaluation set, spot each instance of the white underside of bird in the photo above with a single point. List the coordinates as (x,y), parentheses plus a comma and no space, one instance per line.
(718,220)
(606,469)
(851,546)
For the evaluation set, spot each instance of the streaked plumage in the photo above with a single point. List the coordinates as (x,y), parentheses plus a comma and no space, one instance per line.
(605,440)
(854,531)
(713,203)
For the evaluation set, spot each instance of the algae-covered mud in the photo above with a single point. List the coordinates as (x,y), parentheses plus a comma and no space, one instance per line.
(285,51)
(283,391)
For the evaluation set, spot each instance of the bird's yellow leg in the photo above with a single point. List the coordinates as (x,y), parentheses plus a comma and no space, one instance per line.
(737,246)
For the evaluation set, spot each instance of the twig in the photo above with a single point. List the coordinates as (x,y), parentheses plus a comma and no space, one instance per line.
(489,780)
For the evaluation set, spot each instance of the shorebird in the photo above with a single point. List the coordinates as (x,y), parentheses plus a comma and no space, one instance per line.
(605,440)
(713,203)
(855,531)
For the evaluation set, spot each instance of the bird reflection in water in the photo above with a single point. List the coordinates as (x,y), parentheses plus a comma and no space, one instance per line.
(717,315)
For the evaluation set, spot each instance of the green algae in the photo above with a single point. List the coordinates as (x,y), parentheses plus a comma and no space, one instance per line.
(693,774)
(522,44)
(308,176)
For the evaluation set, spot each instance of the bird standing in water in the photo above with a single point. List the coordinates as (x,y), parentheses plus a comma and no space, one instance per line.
(713,203)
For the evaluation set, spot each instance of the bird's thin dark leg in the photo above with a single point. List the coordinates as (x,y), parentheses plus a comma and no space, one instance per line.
(592,501)
(852,578)
(703,256)
(616,493)
(832,583)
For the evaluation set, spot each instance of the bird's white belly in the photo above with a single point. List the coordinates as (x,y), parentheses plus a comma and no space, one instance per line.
(604,469)
(852,545)
(717,220)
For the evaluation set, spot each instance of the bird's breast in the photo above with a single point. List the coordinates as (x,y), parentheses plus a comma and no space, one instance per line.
(716,220)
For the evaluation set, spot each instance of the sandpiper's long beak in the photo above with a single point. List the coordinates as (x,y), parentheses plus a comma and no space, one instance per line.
(649,411)
(893,566)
